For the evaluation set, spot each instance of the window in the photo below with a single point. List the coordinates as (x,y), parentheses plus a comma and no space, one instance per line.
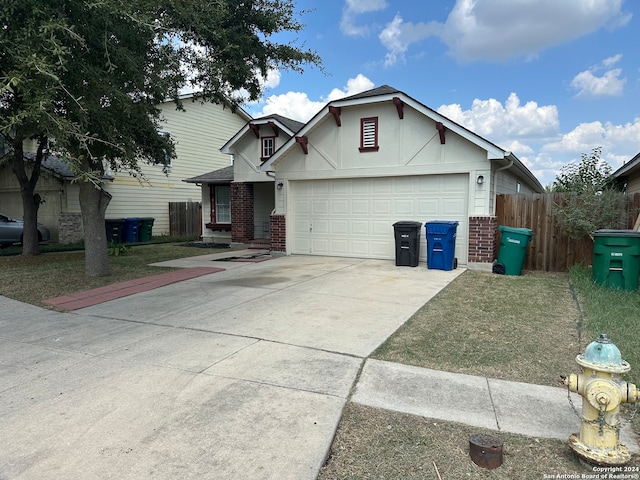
(369,134)
(268,147)
(220,198)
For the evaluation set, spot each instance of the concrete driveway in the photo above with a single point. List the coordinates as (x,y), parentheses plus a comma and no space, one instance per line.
(238,374)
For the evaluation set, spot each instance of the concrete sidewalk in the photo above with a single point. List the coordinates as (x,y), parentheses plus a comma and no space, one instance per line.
(241,373)
(486,403)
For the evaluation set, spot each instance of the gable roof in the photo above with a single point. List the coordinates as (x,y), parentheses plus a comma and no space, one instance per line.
(223,175)
(290,126)
(387,93)
(629,167)
(382,90)
(59,167)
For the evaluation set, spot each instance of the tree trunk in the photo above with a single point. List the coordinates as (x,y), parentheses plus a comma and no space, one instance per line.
(93,206)
(30,199)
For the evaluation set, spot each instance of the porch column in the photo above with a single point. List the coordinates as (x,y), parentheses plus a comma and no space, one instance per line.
(241,212)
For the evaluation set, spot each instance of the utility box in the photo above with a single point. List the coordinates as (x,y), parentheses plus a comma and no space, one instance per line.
(513,248)
(407,235)
(616,258)
(441,244)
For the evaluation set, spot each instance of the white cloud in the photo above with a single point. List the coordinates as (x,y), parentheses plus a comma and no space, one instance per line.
(298,105)
(504,123)
(608,84)
(614,138)
(352,9)
(294,105)
(608,62)
(354,85)
(272,80)
(398,35)
(501,29)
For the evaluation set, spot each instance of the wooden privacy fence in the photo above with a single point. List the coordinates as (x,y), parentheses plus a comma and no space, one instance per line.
(549,250)
(185,219)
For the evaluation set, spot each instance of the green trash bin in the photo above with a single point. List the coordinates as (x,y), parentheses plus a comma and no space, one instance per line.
(146,227)
(513,249)
(616,258)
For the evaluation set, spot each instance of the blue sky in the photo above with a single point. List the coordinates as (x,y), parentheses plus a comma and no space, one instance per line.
(546,79)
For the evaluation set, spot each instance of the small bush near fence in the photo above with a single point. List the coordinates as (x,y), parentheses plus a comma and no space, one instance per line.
(551,249)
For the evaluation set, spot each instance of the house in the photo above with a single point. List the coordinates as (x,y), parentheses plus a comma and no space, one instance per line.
(362,163)
(243,192)
(628,175)
(198,132)
(52,185)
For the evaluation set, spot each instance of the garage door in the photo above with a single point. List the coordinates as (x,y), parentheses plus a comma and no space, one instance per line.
(355,217)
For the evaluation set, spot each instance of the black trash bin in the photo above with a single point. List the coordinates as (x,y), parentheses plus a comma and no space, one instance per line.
(407,243)
(115,229)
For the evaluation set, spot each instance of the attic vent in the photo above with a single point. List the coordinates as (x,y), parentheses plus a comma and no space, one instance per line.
(369,134)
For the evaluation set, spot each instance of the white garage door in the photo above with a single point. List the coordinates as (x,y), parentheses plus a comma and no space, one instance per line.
(355,217)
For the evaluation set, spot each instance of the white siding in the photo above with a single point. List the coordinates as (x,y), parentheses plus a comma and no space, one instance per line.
(199,132)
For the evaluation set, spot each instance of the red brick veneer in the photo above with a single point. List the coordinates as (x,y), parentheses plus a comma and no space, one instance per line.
(278,233)
(483,237)
(241,212)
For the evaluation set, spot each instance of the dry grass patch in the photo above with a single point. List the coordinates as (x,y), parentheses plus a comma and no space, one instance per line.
(33,279)
(379,444)
(513,328)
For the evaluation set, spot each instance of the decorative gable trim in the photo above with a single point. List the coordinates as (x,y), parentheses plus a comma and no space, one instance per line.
(399,107)
(441,129)
(303,141)
(336,111)
(255,129)
(274,127)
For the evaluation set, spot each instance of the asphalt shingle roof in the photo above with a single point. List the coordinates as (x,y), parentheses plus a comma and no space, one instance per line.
(223,175)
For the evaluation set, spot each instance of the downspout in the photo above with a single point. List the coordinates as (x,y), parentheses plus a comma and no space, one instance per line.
(272,174)
(495,179)
(495,174)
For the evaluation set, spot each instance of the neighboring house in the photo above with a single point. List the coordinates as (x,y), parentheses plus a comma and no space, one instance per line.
(628,175)
(369,160)
(238,200)
(52,187)
(198,132)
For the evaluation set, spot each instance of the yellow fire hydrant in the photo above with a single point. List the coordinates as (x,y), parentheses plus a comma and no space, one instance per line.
(602,391)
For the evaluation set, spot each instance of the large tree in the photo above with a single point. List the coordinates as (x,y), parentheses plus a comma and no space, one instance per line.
(107,65)
(31,53)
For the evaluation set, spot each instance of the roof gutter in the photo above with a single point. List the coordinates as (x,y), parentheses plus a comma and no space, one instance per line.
(505,167)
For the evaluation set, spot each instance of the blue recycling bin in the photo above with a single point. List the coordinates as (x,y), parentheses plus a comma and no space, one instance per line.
(441,244)
(131,230)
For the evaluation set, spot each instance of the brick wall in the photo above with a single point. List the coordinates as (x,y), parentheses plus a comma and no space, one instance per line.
(483,238)
(241,212)
(278,233)
(70,228)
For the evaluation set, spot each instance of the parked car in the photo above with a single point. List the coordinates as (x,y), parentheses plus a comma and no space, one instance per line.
(11,231)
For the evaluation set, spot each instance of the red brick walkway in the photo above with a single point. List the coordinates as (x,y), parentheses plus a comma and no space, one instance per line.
(88,298)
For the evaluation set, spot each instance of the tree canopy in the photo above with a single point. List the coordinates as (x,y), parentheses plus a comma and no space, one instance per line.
(592,202)
(590,175)
(91,74)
